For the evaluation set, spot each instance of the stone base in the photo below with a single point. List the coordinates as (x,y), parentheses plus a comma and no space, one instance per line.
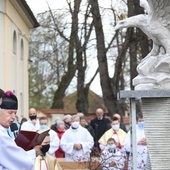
(156,114)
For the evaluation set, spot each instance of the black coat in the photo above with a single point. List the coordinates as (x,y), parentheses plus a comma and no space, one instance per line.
(90,129)
(53,127)
(123,127)
(100,127)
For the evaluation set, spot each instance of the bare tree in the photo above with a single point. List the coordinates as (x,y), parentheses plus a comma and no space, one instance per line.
(105,81)
(82,88)
(69,53)
(66,79)
(79,38)
(134,43)
(69,43)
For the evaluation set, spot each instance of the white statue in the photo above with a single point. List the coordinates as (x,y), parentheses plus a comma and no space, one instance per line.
(154,69)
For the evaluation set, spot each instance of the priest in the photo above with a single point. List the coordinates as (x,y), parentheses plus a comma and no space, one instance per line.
(142,151)
(114,132)
(12,156)
(76,142)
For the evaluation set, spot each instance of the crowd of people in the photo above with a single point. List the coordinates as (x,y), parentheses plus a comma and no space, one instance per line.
(72,138)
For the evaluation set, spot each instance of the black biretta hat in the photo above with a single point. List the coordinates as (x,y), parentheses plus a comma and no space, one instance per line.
(9,101)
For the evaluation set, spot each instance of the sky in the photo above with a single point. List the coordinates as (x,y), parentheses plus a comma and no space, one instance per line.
(38,6)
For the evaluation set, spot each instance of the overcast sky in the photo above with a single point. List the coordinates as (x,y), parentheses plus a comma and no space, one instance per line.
(38,6)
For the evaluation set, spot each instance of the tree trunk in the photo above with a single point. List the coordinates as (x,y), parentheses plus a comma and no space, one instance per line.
(66,79)
(105,80)
(60,92)
(82,95)
(82,88)
(118,80)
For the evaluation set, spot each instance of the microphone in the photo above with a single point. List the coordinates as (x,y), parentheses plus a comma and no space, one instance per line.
(14,128)
(96,125)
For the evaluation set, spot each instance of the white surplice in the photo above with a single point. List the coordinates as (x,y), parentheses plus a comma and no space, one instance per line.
(54,142)
(77,136)
(142,152)
(28,125)
(109,156)
(13,157)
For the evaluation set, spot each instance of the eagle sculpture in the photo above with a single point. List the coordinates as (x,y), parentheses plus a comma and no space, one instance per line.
(155,23)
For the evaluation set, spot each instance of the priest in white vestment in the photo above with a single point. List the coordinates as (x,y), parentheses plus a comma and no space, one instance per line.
(32,123)
(76,142)
(13,157)
(142,152)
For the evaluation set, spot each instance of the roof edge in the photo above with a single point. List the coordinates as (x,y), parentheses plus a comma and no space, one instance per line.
(26,12)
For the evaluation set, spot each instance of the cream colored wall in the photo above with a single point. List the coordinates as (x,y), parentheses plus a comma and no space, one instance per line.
(14,70)
(2,8)
(16,18)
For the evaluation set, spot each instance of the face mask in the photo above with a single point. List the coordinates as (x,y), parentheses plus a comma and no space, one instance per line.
(43,126)
(111,146)
(141,125)
(75,125)
(33,117)
(115,127)
(45,148)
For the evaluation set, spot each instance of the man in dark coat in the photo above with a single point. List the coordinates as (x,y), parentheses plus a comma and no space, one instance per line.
(83,123)
(100,125)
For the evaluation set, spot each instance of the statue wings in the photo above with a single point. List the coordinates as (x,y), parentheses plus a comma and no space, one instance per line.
(154,69)
(160,11)
(155,24)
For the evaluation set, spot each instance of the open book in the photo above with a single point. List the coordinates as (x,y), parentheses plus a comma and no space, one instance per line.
(29,139)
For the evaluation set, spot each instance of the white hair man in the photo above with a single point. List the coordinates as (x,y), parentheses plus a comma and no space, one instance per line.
(76,142)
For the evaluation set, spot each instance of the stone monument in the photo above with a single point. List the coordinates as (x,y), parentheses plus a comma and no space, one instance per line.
(154,76)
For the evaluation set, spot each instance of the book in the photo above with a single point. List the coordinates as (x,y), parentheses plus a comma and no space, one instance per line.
(29,139)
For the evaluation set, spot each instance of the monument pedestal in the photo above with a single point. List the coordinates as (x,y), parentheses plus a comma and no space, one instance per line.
(156,113)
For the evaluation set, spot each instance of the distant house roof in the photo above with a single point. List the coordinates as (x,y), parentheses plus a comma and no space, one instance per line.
(23,8)
(52,111)
(95,101)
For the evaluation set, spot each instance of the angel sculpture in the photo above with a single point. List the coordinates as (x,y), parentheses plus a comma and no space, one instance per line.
(154,69)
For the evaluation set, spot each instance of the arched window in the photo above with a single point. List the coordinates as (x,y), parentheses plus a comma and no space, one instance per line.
(22,50)
(14,43)
(21,75)
(14,62)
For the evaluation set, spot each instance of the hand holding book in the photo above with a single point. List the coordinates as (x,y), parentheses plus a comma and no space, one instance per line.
(29,139)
